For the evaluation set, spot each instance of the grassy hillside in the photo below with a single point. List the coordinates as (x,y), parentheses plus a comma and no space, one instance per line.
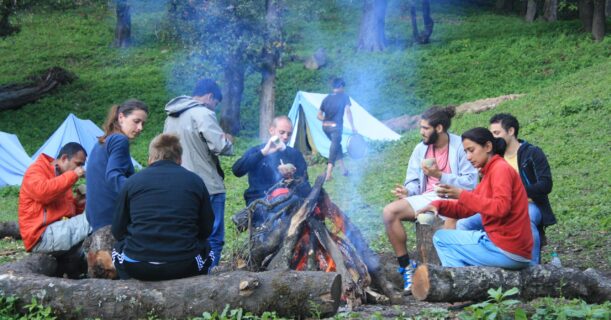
(474,54)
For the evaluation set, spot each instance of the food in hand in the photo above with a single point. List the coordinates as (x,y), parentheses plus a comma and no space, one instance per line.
(82,189)
(429,162)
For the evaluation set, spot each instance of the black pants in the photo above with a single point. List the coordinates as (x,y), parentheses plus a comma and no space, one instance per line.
(335,135)
(146,271)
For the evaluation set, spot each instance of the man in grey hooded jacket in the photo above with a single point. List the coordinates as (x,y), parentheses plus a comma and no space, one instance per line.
(192,118)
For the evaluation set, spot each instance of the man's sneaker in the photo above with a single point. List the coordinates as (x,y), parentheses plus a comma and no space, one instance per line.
(407,274)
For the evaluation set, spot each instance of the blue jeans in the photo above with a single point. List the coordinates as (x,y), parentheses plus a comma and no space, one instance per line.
(217,238)
(475,223)
(461,248)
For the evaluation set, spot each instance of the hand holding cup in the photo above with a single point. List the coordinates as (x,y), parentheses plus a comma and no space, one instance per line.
(287,170)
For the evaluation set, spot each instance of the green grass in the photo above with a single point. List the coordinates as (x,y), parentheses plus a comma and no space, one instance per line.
(473,54)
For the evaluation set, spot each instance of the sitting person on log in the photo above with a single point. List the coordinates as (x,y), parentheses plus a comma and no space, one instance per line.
(438,158)
(506,240)
(163,219)
(269,163)
(50,215)
(531,164)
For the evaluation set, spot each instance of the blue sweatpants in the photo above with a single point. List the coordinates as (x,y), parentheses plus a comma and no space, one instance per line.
(475,223)
(459,248)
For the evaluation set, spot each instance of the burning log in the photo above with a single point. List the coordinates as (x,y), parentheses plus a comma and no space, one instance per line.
(312,234)
(437,284)
(288,293)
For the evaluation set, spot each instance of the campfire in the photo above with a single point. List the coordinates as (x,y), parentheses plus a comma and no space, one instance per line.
(312,234)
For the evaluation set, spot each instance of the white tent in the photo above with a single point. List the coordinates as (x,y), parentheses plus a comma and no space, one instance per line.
(13,160)
(308,134)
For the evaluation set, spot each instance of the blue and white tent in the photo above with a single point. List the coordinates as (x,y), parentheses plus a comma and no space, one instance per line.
(73,129)
(308,134)
(13,160)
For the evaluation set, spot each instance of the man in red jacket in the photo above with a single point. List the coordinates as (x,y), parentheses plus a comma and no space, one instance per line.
(50,218)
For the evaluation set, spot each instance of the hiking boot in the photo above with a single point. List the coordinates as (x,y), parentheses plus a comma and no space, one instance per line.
(407,274)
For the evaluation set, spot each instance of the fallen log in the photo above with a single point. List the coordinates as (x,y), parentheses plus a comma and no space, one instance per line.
(13,96)
(437,284)
(288,293)
(9,229)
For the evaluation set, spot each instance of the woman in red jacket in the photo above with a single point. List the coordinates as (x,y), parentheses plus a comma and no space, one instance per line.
(500,198)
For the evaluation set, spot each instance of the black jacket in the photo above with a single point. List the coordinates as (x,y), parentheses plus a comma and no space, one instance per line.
(537,179)
(163,214)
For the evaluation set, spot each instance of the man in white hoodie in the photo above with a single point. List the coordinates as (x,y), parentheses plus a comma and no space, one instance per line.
(192,118)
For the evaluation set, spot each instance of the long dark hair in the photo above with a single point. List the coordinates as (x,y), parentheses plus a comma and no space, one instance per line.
(482,135)
(111,125)
(437,115)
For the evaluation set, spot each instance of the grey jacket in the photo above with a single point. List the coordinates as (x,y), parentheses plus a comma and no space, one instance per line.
(202,140)
(463,175)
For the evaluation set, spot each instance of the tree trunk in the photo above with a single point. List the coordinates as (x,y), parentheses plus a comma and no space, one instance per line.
(6,9)
(437,284)
(586,14)
(598,20)
(608,8)
(424,242)
(271,57)
(232,98)
(531,11)
(123,29)
(550,10)
(13,96)
(9,229)
(424,36)
(288,293)
(371,33)
(98,252)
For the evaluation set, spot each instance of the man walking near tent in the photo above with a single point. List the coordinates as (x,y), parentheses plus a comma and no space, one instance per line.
(331,114)
(262,163)
(193,119)
(50,216)
(531,163)
(439,158)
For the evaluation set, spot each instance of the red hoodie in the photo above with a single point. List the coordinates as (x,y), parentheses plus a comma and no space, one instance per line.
(502,201)
(44,198)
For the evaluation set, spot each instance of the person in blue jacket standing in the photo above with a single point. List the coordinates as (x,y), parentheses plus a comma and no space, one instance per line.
(110,162)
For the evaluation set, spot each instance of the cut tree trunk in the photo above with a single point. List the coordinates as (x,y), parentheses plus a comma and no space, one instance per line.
(550,10)
(531,11)
(9,229)
(288,293)
(598,20)
(98,252)
(13,96)
(371,32)
(586,14)
(232,98)
(424,242)
(123,28)
(437,284)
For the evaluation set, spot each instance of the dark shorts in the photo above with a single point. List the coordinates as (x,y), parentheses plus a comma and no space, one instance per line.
(147,271)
